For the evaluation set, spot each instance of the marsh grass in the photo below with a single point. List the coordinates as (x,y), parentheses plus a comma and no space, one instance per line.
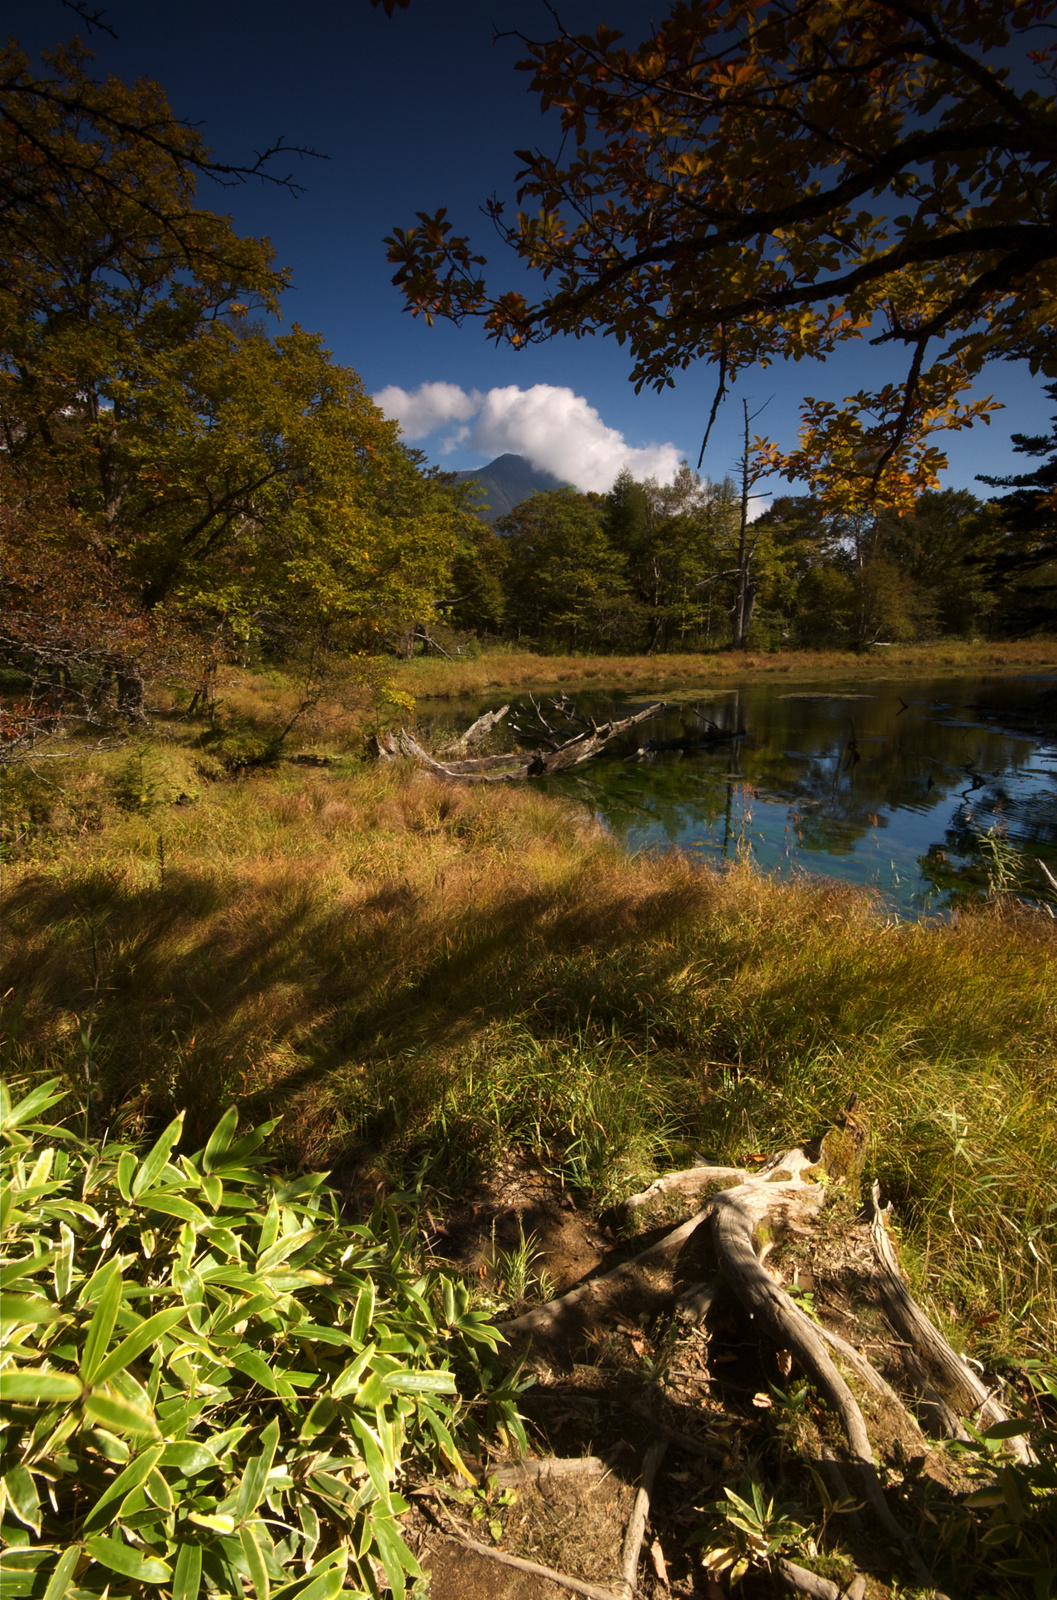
(506,668)
(419,977)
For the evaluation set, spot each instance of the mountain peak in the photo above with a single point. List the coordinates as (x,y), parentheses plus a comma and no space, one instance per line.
(507,481)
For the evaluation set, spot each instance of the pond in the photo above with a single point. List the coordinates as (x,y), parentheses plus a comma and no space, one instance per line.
(926,790)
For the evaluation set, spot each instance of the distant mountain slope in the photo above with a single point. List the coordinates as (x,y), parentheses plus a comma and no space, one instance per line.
(507,481)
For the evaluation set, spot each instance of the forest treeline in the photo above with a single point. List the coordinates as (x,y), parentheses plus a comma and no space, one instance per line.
(657,567)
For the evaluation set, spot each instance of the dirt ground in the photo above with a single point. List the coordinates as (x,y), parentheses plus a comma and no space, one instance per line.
(627,1367)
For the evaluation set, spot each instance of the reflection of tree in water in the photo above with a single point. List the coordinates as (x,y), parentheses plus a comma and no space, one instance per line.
(995,840)
(825,771)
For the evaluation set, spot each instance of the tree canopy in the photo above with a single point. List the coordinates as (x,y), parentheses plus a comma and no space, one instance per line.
(756,182)
(199,471)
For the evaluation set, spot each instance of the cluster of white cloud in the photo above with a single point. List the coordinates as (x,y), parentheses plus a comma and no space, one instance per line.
(552,427)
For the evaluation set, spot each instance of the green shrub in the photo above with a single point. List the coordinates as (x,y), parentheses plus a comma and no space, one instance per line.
(211,1384)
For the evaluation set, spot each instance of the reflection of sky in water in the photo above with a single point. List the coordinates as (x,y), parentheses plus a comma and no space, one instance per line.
(852,781)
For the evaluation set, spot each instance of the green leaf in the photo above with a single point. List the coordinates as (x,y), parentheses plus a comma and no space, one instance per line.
(188,1457)
(102,1324)
(363,1315)
(255,1473)
(406,1382)
(220,1140)
(324,1582)
(35,1386)
(136,1473)
(173,1205)
(254,1366)
(148,1333)
(120,1557)
(125,1168)
(1012,1428)
(187,1575)
(23,1497)
(19,1308)
(49,1094)
(283,1247)
(349,1380)
(255,1561)
(119,1415)
(12,1271)
(58,1583)
(64,1263)
(157,1156)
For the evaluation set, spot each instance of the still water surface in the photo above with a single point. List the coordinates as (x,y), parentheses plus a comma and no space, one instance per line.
(924,789)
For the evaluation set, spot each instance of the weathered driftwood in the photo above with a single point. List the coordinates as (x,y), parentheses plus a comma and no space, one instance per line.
(517,765)
(691,1181)
(636,1528)
(957,1382)
(475,732)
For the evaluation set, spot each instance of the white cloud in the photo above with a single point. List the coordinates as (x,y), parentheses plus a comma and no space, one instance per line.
(552,427)
(429,407)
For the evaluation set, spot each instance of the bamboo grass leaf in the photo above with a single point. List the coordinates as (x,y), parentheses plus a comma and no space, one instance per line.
(157,1157)
(134,1475)
(126,1168)
(148,1333)
(120,1557)
(38,1100)
(219,1140)
(37,1386)
(119,1415)
(255,1562)
(58,1583)
(187,1574)
(255,1474)
(102,1324)
(22,1497)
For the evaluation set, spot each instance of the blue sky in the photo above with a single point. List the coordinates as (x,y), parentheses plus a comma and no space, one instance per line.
(421,110)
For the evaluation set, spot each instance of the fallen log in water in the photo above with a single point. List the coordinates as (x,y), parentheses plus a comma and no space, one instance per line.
(514,766)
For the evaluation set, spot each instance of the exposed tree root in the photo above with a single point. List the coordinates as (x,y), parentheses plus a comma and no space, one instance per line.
(597,1291)
(958,1383)
(748,1212)
(692,1181)
(636,1528)
(737,1214)
(805,1582)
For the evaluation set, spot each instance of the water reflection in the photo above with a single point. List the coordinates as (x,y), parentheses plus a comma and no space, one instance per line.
(928,790)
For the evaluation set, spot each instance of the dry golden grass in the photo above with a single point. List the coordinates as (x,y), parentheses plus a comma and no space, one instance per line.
(433,678)
(416,976)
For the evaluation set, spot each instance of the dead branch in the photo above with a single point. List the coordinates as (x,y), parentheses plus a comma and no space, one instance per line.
(549,1467)
(592,1590)
(636,1528)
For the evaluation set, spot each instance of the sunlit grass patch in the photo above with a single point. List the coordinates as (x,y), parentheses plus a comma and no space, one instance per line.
(416,977)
